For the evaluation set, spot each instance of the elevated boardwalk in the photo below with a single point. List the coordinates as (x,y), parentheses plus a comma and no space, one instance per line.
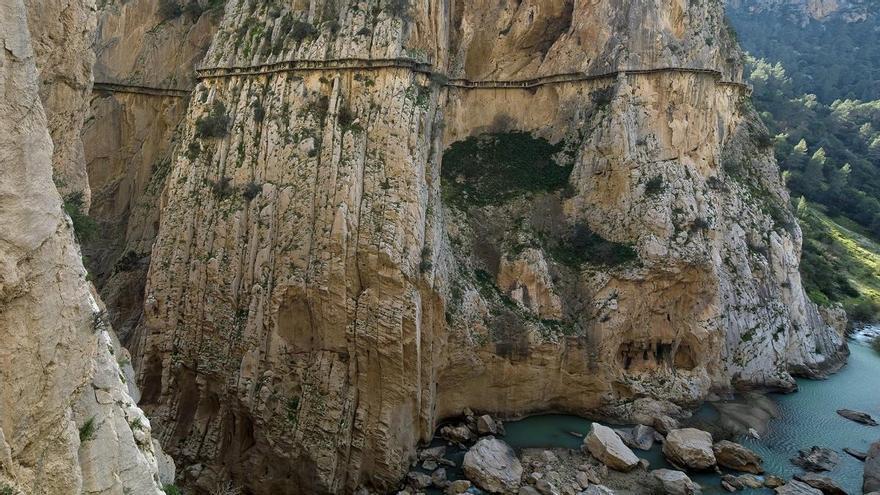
(361,64)
(141,90)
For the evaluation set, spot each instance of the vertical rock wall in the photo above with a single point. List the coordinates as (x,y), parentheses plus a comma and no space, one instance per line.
(68,423)
(321,292)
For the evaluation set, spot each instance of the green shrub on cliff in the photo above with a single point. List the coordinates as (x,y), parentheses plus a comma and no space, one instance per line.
(83,225)
(215,124)
(493,168)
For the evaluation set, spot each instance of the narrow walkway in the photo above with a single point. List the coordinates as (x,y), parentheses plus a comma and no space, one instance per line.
(357,64)
(427,69)
(140,90)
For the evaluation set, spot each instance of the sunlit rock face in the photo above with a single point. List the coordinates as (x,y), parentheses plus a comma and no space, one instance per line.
(507,206)
(69,422)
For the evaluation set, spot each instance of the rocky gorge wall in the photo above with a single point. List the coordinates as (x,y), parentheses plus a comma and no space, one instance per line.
(69,422)
(511,207)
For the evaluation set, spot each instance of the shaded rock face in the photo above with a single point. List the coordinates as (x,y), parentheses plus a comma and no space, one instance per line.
(322,292)
(69,423)
(872,469)
(129,137)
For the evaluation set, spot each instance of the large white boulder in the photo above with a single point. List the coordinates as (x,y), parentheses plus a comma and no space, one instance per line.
(604,444)
(690,448)
(493,466)
(676,482)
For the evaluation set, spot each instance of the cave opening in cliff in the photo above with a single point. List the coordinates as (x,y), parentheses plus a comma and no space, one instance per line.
(637,356)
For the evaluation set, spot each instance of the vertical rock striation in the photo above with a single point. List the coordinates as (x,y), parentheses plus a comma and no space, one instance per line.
(607,233)
(68,423)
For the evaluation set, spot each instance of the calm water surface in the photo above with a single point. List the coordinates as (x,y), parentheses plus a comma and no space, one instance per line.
(806,418)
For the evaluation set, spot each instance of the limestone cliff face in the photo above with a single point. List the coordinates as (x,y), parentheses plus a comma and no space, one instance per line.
(61,33)
(322,291)
(144,70)
(68,422)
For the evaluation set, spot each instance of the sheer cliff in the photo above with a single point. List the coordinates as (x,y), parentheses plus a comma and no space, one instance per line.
(69,423)
(375,214)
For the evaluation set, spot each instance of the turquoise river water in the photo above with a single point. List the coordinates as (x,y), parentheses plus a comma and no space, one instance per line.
(806,418)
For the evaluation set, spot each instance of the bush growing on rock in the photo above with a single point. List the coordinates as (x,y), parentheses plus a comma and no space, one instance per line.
(215,124)
(169,9)
(301,30)
(83,225)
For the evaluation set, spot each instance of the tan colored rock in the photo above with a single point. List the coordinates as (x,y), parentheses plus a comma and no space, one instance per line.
(492,465)
(59,433)
(690,448)
(604,444)
(315,305)
(734,456)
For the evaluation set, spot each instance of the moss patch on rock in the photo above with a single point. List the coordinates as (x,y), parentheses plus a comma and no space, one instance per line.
(490,169)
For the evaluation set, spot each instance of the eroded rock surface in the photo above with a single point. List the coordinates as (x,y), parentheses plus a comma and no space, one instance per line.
(68,422)
(604,444)
(322,292)
(690,448)
(493,466)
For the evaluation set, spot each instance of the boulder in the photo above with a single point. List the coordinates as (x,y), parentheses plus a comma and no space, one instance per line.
(823,483)
(487,425)
(731,483)
(816,459)
(458,434)
(583,480)
(857,416)
(529,490)
(544,487)
(597,490)
(438,478)
(458,486)
(665,424)
(750,481)
(493,466)
(604,444)
(689,447)
(429,465)
(795,487)
(872,469)
(771,481)
(432,453)
(643,437)
(418,480)
(675,482)
(734,456)
(858,454)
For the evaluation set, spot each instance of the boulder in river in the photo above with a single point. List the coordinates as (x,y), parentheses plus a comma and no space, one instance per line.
(690,448)
(858,454)
(734,456)
(604,444)
(458,434)
(675,482)
(493,466)
(644,436)
(872,469)
(823,483)
(458,486)
(795,487)
(487,425)
(816,459)
(857,416)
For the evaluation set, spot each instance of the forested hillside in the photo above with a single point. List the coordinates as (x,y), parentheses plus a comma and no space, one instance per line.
(817,88)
